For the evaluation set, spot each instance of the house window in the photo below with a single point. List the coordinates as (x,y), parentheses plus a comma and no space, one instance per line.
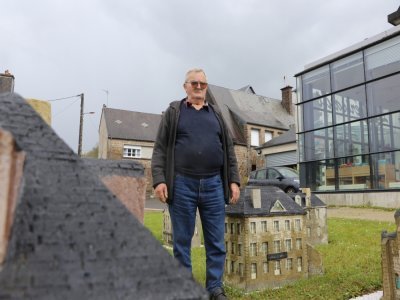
(232,228)
(265,267)
(268,136)
(298,244)
(226,228)
(253,249)
(233,248)
(238,228)
(239,250)
(288,244)
(226,247)
(287,225)
(252,227)
(132,151)
(308,231)
(299,264)
(276,226)
(241,273)
(265,248)
(232,267)
(277,246)
(264,226)
(277,267)
(253,271)
(255,137)
(298,224)
(289,263)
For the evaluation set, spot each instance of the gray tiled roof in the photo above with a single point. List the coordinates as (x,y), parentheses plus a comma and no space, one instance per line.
(249,108)
(70,237)
(269,195)
(287,137)
(131,125)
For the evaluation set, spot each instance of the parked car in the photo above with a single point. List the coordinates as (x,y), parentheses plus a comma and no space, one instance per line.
(286,179)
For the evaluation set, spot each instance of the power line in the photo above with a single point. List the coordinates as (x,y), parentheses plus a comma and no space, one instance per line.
(65,108)
(58,99)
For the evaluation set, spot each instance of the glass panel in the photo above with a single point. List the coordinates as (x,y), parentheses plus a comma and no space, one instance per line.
(384,95)
(298,88)
(354,173)
(300,140)
(347,72)
(319,175)
(386,170)
(318,113)
(350,105)
(300,117)
(385,132)
(318,144)
(316,83)
(351,139)
(382,59)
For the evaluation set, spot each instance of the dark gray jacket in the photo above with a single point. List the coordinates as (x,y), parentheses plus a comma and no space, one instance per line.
(162,163)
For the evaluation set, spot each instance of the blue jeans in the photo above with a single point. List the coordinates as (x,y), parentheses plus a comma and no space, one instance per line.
(208,196)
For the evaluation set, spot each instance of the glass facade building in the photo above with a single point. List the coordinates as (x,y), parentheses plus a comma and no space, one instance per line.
(349,119)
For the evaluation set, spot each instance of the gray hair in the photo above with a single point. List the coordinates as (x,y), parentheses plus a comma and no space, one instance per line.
(196,70)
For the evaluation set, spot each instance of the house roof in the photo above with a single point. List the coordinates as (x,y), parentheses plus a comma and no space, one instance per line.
(315,200)
(269,196)
(244,107)
(131,125)
(70,237)
(287,137)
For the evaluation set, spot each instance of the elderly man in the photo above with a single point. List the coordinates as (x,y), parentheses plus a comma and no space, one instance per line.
(194,167)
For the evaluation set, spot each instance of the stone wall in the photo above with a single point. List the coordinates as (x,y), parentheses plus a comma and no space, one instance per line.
(385,199)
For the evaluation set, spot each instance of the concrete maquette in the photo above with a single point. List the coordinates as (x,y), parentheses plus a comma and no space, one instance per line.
(64,235)
(269,238)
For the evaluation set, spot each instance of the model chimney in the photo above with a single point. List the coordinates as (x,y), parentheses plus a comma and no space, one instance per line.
(6,82)
(287,99)
(256,198)
(394,18)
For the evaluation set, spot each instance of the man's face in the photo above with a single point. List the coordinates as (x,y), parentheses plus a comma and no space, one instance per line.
(196,86)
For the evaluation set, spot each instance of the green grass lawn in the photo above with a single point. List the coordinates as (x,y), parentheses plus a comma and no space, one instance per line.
(352,262)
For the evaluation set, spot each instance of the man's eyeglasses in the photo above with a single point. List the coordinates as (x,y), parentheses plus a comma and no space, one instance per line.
(195,84)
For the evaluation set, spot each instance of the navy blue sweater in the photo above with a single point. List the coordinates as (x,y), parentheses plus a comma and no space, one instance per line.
(198,147)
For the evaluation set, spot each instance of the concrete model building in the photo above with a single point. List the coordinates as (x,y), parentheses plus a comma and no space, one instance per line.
(268,239)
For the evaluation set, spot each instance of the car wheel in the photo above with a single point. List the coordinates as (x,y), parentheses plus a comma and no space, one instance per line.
(290,189)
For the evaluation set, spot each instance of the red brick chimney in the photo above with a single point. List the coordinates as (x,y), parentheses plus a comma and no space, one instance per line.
(287,102)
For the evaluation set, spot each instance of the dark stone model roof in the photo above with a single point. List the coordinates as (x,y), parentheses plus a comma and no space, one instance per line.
(131,125)
(70,238)
(315,200)
(107,167)
(269,195)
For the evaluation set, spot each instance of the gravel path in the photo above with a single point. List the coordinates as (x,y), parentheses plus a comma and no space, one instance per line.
(361,213)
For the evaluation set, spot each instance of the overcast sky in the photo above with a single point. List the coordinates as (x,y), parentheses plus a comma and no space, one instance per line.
(139,51)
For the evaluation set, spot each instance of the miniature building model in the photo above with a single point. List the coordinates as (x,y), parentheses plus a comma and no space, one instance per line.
(167,230)
(64,235)
(266,240)
(390,245)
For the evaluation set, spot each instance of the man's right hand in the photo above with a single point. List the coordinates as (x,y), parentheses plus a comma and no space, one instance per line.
(161,192)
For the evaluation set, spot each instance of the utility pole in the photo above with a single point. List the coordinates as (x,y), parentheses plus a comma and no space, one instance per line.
(81,126)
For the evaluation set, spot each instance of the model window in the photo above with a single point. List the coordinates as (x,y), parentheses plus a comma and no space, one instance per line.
(276,226)
(239,252)
(277,267)
(264,226)
(232,267)
(252,227)
(288,244)
(298,224)
(265,248)
(132,151)
(265,267)
(232,228)
(233,248)
(289,263)
(241,272)
(299,264)
(287,225)
(277,246)
(298,244)
(253,271)
(238,228)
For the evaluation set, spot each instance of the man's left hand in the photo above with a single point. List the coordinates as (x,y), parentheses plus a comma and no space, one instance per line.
(235,192)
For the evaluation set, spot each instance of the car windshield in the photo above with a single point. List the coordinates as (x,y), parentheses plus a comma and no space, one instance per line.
(290,173)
